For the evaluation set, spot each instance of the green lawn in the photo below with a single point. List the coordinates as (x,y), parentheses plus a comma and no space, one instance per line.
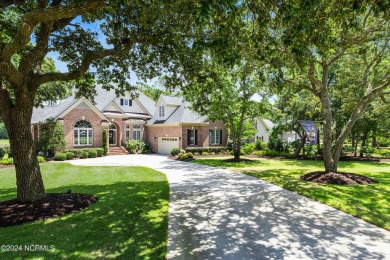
(4,142)
(369,202)
(130,220)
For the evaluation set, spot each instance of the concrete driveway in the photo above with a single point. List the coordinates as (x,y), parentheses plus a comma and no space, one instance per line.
(220,214)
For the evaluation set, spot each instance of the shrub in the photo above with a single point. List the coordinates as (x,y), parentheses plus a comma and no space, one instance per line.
(51,136)
(69,156)
(347,149)
(60,157)
(104,144)
(272,153)
(249,148)
(276,144)
(259,145)
(2,153)
(368,150)
(184,156)
(134,146)
(100,152)
(384,153)
(205,153)
(260,153)
(76,152)
(196,154)
(41,159)
(7,161)
(175,151)
(200,150)
(92,153)
(83,155)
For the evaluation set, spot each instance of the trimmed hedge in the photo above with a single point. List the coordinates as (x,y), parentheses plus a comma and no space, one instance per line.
(84,155)
(69,156)
(100,152)
(201,150)
(92,153)
(60,157)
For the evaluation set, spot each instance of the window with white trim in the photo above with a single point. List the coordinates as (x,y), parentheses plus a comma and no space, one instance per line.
(215,137)
(82,133)
(137,132)
(126,102)
(127,133)
(161,111)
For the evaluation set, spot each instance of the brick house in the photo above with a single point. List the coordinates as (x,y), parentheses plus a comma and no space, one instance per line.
(165,125)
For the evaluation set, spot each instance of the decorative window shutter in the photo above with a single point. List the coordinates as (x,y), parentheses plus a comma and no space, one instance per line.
(188,136)
(121,101)
(210,137)
(130,102)
(196,136)
(220,136)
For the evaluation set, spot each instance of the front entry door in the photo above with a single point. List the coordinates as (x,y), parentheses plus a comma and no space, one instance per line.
(112,137)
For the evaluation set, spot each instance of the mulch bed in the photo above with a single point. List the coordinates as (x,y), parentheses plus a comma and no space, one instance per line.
(340,178)
(13,212)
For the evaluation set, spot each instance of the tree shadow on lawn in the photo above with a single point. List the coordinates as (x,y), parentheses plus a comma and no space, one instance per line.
(130,220)
(369,202)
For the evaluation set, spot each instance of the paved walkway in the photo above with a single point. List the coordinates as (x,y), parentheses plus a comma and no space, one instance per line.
(220,214)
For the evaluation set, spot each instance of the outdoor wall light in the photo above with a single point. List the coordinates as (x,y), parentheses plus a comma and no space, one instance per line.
(83,117)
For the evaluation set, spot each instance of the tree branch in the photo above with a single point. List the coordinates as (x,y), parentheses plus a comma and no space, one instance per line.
(359,110)
(38,53)
(31,19)
(88,59)
(10,72)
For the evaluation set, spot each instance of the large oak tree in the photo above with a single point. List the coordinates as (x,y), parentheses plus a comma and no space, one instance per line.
(310,40)
(142,35)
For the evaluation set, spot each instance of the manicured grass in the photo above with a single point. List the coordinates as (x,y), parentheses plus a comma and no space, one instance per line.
(369,202)
(130,220)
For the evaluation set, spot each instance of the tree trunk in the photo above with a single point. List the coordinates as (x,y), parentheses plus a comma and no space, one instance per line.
(356,144)
(374,140)
(28,175)
(327,143)
(364,140)
(300,146)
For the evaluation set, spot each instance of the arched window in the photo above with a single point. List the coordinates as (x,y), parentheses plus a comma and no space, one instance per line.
(82,133)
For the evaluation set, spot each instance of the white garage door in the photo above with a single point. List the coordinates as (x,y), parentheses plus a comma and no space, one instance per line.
(166,144)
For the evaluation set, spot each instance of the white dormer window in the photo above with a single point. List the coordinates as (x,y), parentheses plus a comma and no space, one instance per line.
(126,102)
(161,111)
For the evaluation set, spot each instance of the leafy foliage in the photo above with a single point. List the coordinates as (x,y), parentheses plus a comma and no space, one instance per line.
(51,137)
(3,131)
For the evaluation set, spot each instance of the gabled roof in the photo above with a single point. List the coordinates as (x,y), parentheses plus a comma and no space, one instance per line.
(41,114)
(106,97)
(268,124)
(103,99)
(170,100)
(182,114)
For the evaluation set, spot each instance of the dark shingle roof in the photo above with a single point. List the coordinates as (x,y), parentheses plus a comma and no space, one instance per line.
(40,114)
(182,114)
(102,100)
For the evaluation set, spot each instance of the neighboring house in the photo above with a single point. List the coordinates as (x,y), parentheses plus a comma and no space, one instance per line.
(165,125)
(264,130)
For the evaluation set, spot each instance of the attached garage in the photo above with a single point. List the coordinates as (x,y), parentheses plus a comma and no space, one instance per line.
(166,144)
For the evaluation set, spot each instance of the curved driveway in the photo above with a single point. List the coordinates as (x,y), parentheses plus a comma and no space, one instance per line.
(220,214)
